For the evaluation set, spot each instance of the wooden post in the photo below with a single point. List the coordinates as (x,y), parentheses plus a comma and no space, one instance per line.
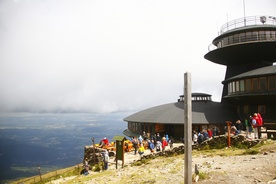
(93,144)
(38,168)
(187,129)
(259,132)
(228,137)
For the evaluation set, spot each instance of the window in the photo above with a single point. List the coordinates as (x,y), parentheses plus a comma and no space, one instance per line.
(248,85)
(261,109)
(225,41)
(255,84)
(271,83)
(233,87)
(249,36)
(254,36)
(242,37)
(237,86)
(242,85)
(262,84)
(245,109)
(236,38)
(261,35)
(268,35)
(273,34)
(229,40)
(229,88)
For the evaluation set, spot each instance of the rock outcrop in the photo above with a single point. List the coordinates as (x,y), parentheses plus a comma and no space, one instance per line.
(239,141)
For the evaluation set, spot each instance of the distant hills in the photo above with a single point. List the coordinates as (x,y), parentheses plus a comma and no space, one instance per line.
(51,141)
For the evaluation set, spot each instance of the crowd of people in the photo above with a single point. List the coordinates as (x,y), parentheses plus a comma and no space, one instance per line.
(199,137)
(252,125)
(155,143)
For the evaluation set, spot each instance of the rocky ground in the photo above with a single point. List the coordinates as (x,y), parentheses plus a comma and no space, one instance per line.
(214,167)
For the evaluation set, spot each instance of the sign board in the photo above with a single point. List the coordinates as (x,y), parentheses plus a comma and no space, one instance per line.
(120,144)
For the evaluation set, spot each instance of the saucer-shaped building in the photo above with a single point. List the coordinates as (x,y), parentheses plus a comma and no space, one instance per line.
(169,118)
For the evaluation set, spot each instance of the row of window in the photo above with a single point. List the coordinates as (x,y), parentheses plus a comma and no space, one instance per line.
(201,98)
(197,98)
(246,109)
(259,84)
(132,126)
(248,37)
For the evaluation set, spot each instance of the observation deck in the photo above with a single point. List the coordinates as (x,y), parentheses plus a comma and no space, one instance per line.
(240,40)
(248,21)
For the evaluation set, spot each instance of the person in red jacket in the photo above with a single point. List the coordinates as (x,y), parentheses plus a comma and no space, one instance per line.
(210,133)
(257,122)
(164,143)
(104,142)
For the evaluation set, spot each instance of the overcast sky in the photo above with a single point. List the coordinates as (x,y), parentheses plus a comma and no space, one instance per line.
(110,55)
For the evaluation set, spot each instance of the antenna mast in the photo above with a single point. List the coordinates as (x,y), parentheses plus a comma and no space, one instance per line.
(244,12)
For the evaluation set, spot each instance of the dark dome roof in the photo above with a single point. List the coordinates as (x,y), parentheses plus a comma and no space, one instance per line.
(173,113)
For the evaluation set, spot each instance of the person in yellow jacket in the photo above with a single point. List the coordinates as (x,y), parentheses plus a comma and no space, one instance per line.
(141,150)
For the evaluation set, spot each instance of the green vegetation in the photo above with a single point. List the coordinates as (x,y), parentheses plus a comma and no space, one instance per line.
(203,175)
(141,162)
(66,172)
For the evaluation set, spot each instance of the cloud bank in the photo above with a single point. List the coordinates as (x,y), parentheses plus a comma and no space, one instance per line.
(109,56)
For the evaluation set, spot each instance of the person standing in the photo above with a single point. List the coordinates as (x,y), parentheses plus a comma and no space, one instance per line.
(167,137)
(210,133)
(205,134)
(247,126)
(140,139)
(141,150)
(239,126)
(200,138)
(104,142)
(105,159)
(171,142)
(158,146)
(255,125)
(164,144)
(215,131)
(151,146)
(158,137)
(250,128)
(135,144)
(195,137)
(257,122)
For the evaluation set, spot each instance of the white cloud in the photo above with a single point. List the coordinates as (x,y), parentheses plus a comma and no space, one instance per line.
(105,56)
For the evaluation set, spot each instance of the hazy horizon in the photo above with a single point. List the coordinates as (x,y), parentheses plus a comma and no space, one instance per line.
(110,56)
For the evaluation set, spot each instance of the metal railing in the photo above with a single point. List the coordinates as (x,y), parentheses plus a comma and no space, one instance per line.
(245,37)
(248,21)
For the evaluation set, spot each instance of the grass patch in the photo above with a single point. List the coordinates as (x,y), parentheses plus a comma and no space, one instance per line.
(141,162)
(241,145)
(226,152)
(251,152)
(203,175)
(81,178)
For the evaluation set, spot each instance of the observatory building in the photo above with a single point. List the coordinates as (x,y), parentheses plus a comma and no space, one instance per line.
(247,47)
